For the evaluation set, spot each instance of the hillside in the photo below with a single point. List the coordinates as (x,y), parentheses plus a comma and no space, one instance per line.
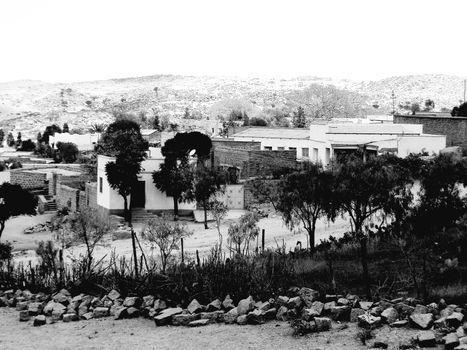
(28,106)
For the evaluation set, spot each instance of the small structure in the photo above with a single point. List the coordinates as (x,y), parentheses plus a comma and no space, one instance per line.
(84,142)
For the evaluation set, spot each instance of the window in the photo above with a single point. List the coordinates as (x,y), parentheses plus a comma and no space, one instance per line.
(280,148)
(305,152)
(267,148)
(293,149)
(315,154)
(328,155)
(100,184)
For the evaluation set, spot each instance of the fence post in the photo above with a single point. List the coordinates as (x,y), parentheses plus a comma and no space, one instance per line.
(197,258)
(262,240)
(181,244)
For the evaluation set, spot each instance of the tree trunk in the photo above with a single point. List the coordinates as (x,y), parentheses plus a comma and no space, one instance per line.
(364,258)
(2,227)
(205,215)
(175,208)
(125,209)
(311,233)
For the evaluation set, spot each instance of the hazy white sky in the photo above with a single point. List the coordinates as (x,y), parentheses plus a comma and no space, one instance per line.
(68,40)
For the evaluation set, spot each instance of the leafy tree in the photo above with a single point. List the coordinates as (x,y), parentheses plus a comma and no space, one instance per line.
(429,105)
(19,141)
(67,152)
(218,211)
(299,118)
(39,137)
(156,124)
(97,127)
(460,111)
(166,236)
(244,232)
(27,146)
(14,201)
(2,137)
(303,197)
(415,107)
(258,122)
(50,130)
(65,128)
(10,140)
(207,183)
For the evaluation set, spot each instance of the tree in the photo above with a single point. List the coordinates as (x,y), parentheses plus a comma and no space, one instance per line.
(27,146)
(303,197)
(14,201)
(257,122)
(208,182)
(242,233)
(67,152)
(123,141)
(460,111)
(50,130)
(362,189)
(65,128)
(299,118)
(18,140)
(166,236)
(10,140)
(2,137)
(429,105)
(415,107)
(218,211)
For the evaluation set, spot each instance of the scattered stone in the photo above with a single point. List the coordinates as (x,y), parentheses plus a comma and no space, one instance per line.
(420,309)
(70,317)
(132,302)
(231,316)
(447,311)
(426,339)
(148,301)
(400,324)
(368,321)
(451,341)
(87,316)
(133,312)
(354,313)
(120,312)
(199,323)
(194,307)
(22,305)
(270,314)
(113,295)
(390,315)
(340,313)
(34,309)
(214,306)
(57,315)
(165,317)
(184,319)
(24,316)
(328,306)
(403,309)
(214,316)
(100,311)
(265,306)
(365,305)
(322,324)
(245,306)
(255,317)
(39,321)
(308,295)
(440,323)
(159,305)
(343,301)
(282,300)
(454,320)
(282,314)
(228,304)
(61,298)
(295,302)
(242,319)
(422,321)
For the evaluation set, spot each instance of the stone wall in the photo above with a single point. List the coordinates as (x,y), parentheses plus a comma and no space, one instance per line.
(28,180)
(67,197)
(91,195)
(264,163)
(455,128)
(249,198)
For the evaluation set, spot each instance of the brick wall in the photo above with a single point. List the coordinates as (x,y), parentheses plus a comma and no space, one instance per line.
(67,197)
(28,180)
(455,128)
(264,163)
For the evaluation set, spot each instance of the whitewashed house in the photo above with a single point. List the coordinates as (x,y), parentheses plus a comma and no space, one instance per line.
(84,142)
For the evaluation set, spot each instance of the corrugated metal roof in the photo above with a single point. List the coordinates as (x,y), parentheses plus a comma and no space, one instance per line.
(276,133)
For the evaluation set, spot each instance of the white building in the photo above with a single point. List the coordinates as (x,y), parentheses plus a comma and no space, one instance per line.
(85,142)
(322,141)
(145,195)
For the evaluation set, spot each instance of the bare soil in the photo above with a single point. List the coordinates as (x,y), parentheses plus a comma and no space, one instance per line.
(143,334)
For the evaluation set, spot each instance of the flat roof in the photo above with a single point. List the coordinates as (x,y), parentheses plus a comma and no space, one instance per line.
(389,129)
(430,115)
(275,133)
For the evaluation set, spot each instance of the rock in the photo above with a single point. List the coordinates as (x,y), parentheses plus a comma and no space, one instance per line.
(39,321)
(440,323)
(57,315)
(460,332)
(70,317)
(214,316)
(184,319)
(148,301)
(328,306)
(231,316)
(214,305)
(282,314)
(159,305)
(354,313)
(426,339)
(365,305)
(133,312)
(420,309)
(322,324)
(113,295)
(292,314)
(34,309)
(421,321)
(308,295)
(100,311)
(22,305)
(242,319)
(400,324)
(403,309)
(343,301)
(132,302)
(199,323)
(87,316)
(194,307)
(255,317)
(295,302)
(282,300)
(446,312)
(165,317)
(451,341)
(24,316)
(390,315)
(265,306)
(61,298)
(454,320)
(228,304)
(270,314)
(120,312)
(245,306)
(340,313)
(368,321)
(82,309)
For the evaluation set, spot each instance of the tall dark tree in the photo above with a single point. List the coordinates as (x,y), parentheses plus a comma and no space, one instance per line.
(50,130)
(460,111)
(14,201)
(19,140)
(299,118)
(65,128)
(208,182)
(67,152)
(2,137)
(10,140)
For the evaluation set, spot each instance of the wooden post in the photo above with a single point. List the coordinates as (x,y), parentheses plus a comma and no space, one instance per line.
(197,258)
(181,244)
(262,240)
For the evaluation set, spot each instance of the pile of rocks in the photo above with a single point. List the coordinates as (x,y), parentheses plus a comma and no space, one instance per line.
(38,228)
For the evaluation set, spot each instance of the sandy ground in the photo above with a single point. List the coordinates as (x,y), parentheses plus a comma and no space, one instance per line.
(276,235)
(143,334)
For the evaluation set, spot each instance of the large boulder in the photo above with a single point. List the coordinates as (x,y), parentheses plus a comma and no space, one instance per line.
(295,302)
(245,306)
(132,302)
(194,307)
(322,324)
(100,311)
(39,321)
(451,341)
(368,321)
(34,309)
(159,305)
(148,301)
(165,317)
(308,295)
(231,316)
(113,295)
(390,315)
(340,313)
(214,305)
(354,313)
(421,321)
(228,303)
(120,312)
(454,320)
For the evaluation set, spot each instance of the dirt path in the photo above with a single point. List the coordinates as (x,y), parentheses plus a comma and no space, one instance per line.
(142,334)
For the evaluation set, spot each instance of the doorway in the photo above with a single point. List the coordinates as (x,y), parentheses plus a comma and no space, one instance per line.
(138,195)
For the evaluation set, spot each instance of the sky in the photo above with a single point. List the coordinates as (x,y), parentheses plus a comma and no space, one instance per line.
(68,40)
